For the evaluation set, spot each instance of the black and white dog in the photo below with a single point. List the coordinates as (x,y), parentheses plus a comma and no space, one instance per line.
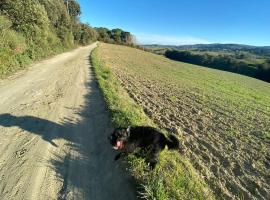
(144,137)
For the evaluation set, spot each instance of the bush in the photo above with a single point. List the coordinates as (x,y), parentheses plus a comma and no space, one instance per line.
(12,48)
(9,38)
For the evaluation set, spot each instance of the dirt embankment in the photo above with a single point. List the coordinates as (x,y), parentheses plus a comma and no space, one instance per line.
(53,128)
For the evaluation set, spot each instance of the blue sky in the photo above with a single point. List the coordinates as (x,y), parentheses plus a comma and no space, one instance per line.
(184,21)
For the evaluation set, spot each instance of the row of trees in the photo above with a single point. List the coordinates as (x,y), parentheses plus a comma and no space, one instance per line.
(34,29)
(223,62)
(117,36)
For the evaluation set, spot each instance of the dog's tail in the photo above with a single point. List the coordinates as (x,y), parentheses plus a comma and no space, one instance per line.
(172,142)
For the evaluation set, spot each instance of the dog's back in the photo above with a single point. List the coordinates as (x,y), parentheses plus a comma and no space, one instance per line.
(145,136)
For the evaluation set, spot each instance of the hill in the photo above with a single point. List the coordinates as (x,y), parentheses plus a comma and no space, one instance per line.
(222,118)
(242,59)
(262,51)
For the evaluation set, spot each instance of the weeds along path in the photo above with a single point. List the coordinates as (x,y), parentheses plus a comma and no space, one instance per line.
(222,117)
(53,134)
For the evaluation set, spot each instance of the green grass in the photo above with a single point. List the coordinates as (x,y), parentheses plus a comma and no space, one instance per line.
(174,177)
(123,110)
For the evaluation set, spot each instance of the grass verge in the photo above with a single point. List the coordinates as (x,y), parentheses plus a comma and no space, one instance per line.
(174,177)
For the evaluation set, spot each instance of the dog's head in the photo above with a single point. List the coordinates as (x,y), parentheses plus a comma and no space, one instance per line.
(119,137)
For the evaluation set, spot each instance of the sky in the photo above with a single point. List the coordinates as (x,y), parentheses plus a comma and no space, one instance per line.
(178,22)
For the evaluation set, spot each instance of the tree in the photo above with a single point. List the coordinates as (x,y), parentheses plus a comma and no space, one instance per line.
(103,34)
(126,37)
(73,8)
(116,35)
(88,34)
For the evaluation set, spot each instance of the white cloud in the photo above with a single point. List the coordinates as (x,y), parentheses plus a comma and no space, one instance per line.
(168,40)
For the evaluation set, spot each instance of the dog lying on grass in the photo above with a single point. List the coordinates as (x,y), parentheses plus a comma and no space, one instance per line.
(147,138)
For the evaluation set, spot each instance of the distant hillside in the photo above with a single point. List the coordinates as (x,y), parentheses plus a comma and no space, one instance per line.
(242,59)
(261,51)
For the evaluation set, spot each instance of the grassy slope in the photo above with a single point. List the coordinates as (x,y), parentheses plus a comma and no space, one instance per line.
(174,177)
(224,116)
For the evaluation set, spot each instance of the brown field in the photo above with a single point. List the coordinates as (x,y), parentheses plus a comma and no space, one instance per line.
(222,117)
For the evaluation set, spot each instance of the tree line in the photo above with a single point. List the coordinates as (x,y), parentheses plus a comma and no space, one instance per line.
(117,36)
(35,29)
(223,62)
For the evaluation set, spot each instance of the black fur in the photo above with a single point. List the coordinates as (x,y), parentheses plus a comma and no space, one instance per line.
(144,137)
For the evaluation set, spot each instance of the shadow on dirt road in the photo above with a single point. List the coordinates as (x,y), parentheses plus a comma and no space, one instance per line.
(87,169)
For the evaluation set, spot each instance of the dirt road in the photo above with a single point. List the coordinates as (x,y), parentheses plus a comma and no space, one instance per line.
(53,134)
